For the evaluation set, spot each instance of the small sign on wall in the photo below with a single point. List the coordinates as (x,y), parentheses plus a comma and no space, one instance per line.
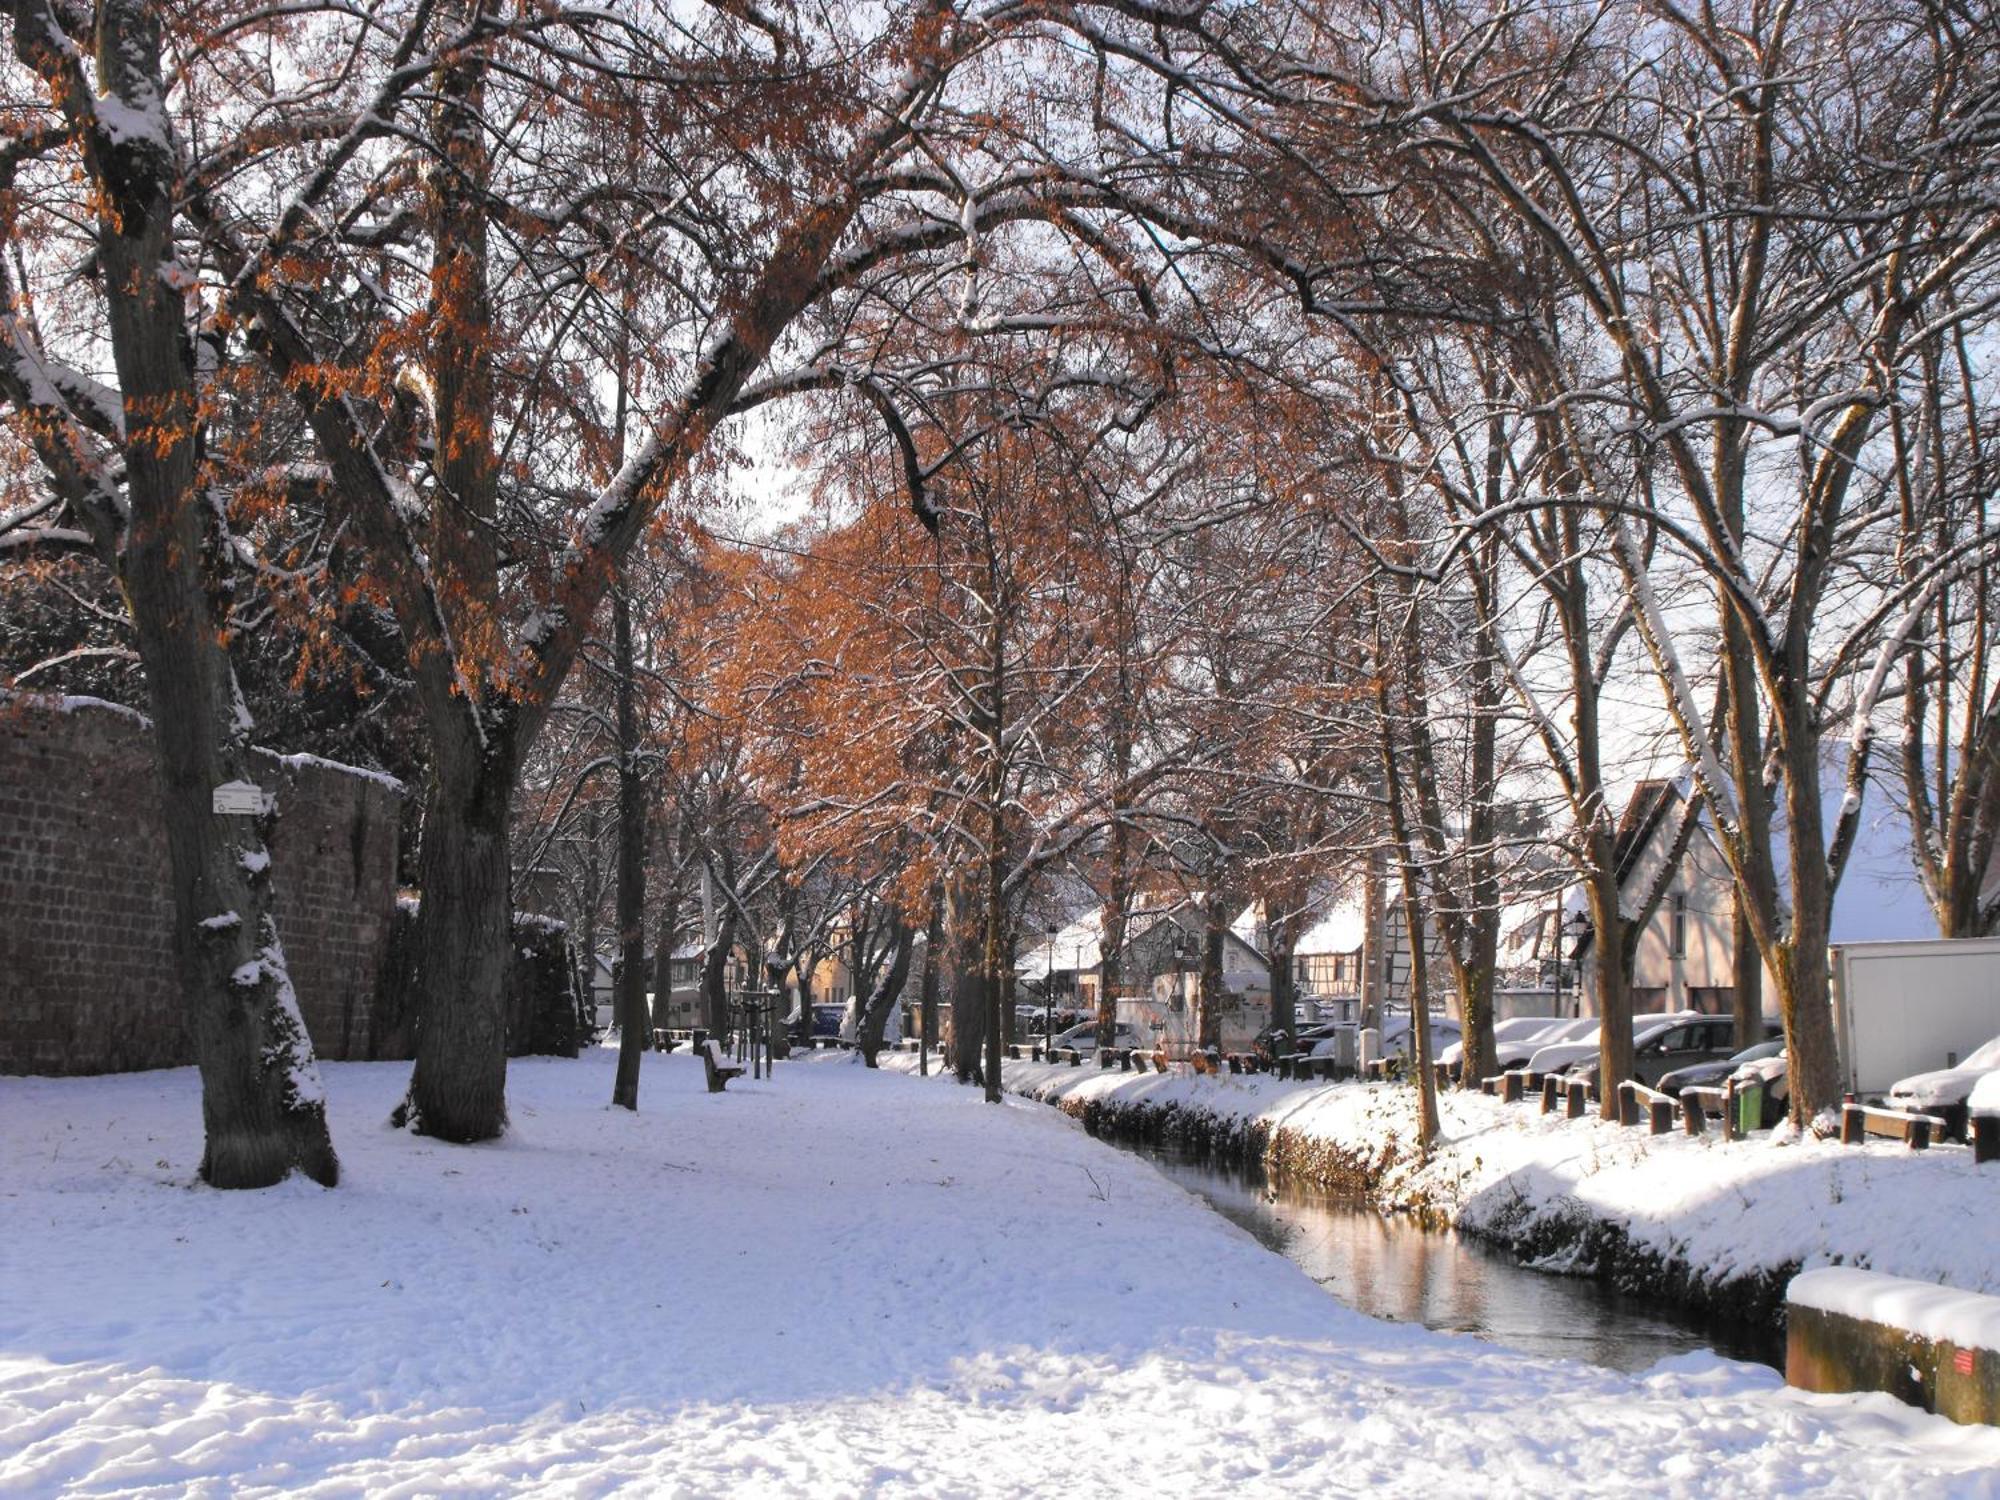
(242,799)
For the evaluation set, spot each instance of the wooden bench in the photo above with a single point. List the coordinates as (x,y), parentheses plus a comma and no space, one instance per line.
(1917,1131)
(1985,1133)
(1636,1100)
(719,1069)
(1576,1094)
(1699,1101)
(1504,1086)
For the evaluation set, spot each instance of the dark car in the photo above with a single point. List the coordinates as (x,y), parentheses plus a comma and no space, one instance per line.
(1706,1039)
(1711,1074)
(1270,1043)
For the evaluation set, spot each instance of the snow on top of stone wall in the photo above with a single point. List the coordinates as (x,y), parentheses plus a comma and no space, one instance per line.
(1969,1320)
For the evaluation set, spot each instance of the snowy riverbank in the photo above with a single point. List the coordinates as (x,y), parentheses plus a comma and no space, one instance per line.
(834,1283)
(1714,1224)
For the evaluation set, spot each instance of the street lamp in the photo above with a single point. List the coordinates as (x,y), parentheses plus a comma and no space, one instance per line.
(1577,924)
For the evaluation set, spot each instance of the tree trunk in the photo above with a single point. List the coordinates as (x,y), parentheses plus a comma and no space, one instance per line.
(1208,1029)
(1803,996)
(715,973)
(1611,980)
(886,995)
(1420,1014)
(263,1111)
(593,898)
(1747,1003)
(458,1090)
(1282,929)
(634,1024)
(927,1004)
(968,993)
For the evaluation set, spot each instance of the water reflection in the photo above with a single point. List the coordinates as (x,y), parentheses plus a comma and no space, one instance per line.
(1389,1268)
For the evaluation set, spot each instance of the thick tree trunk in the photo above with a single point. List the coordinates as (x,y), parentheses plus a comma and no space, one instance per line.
(458,1091)
(634,1024)
(1208,1029)
(1611,981)
(715,974)
(263,1111)
(887,994)
(1282,929)
(968,989)
(1803,996)
(1747,964)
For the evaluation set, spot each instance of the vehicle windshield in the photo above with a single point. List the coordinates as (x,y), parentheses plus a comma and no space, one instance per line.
(1759,1052)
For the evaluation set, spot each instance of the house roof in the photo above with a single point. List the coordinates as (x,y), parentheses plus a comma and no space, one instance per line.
(1342,928)
(1880,897)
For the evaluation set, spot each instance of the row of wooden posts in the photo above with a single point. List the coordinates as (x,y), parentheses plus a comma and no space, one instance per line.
(1697,1106)
(1695,1109)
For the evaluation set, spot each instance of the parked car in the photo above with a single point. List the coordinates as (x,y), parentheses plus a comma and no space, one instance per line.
(1518,1050)
(1711,1074)
(1562,1057)
(1984,1099)
(1508,1035)
(1396,1038)
(1673,1047)
(1945,1091)
(1084,1037)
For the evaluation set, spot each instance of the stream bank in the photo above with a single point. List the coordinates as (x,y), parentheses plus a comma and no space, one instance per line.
(1565,1238)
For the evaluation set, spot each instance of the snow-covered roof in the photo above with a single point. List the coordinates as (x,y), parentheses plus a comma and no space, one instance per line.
(1881,898)
(1343,928)
(1078,946)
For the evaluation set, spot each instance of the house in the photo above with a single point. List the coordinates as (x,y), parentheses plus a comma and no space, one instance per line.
(1331,958)
(1685,958)
(1159,968)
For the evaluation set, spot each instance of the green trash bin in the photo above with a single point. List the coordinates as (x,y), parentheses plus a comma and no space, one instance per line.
(1749,1107)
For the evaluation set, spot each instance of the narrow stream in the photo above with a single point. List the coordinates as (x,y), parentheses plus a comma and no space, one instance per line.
(1389,1268)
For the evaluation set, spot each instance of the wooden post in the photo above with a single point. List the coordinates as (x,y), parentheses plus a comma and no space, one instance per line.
(1628,1104)
(1853,1124)
(1579,1099)
(1510,1088)
(1985,1138)
(1691,1114)
(1661,1116)
(1551,1091)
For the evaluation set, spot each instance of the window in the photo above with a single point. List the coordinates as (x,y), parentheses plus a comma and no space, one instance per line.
(1677,930)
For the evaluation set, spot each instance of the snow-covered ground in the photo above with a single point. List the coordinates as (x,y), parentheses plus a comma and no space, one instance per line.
(1726,1210)
(833,1283)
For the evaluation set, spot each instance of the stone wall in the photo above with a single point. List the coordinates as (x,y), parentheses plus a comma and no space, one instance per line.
(86,968)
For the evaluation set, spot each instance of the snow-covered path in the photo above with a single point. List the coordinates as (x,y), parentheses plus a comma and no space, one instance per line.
(834,1283)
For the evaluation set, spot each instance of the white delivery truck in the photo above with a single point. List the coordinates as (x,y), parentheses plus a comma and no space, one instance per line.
(1910,1007)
